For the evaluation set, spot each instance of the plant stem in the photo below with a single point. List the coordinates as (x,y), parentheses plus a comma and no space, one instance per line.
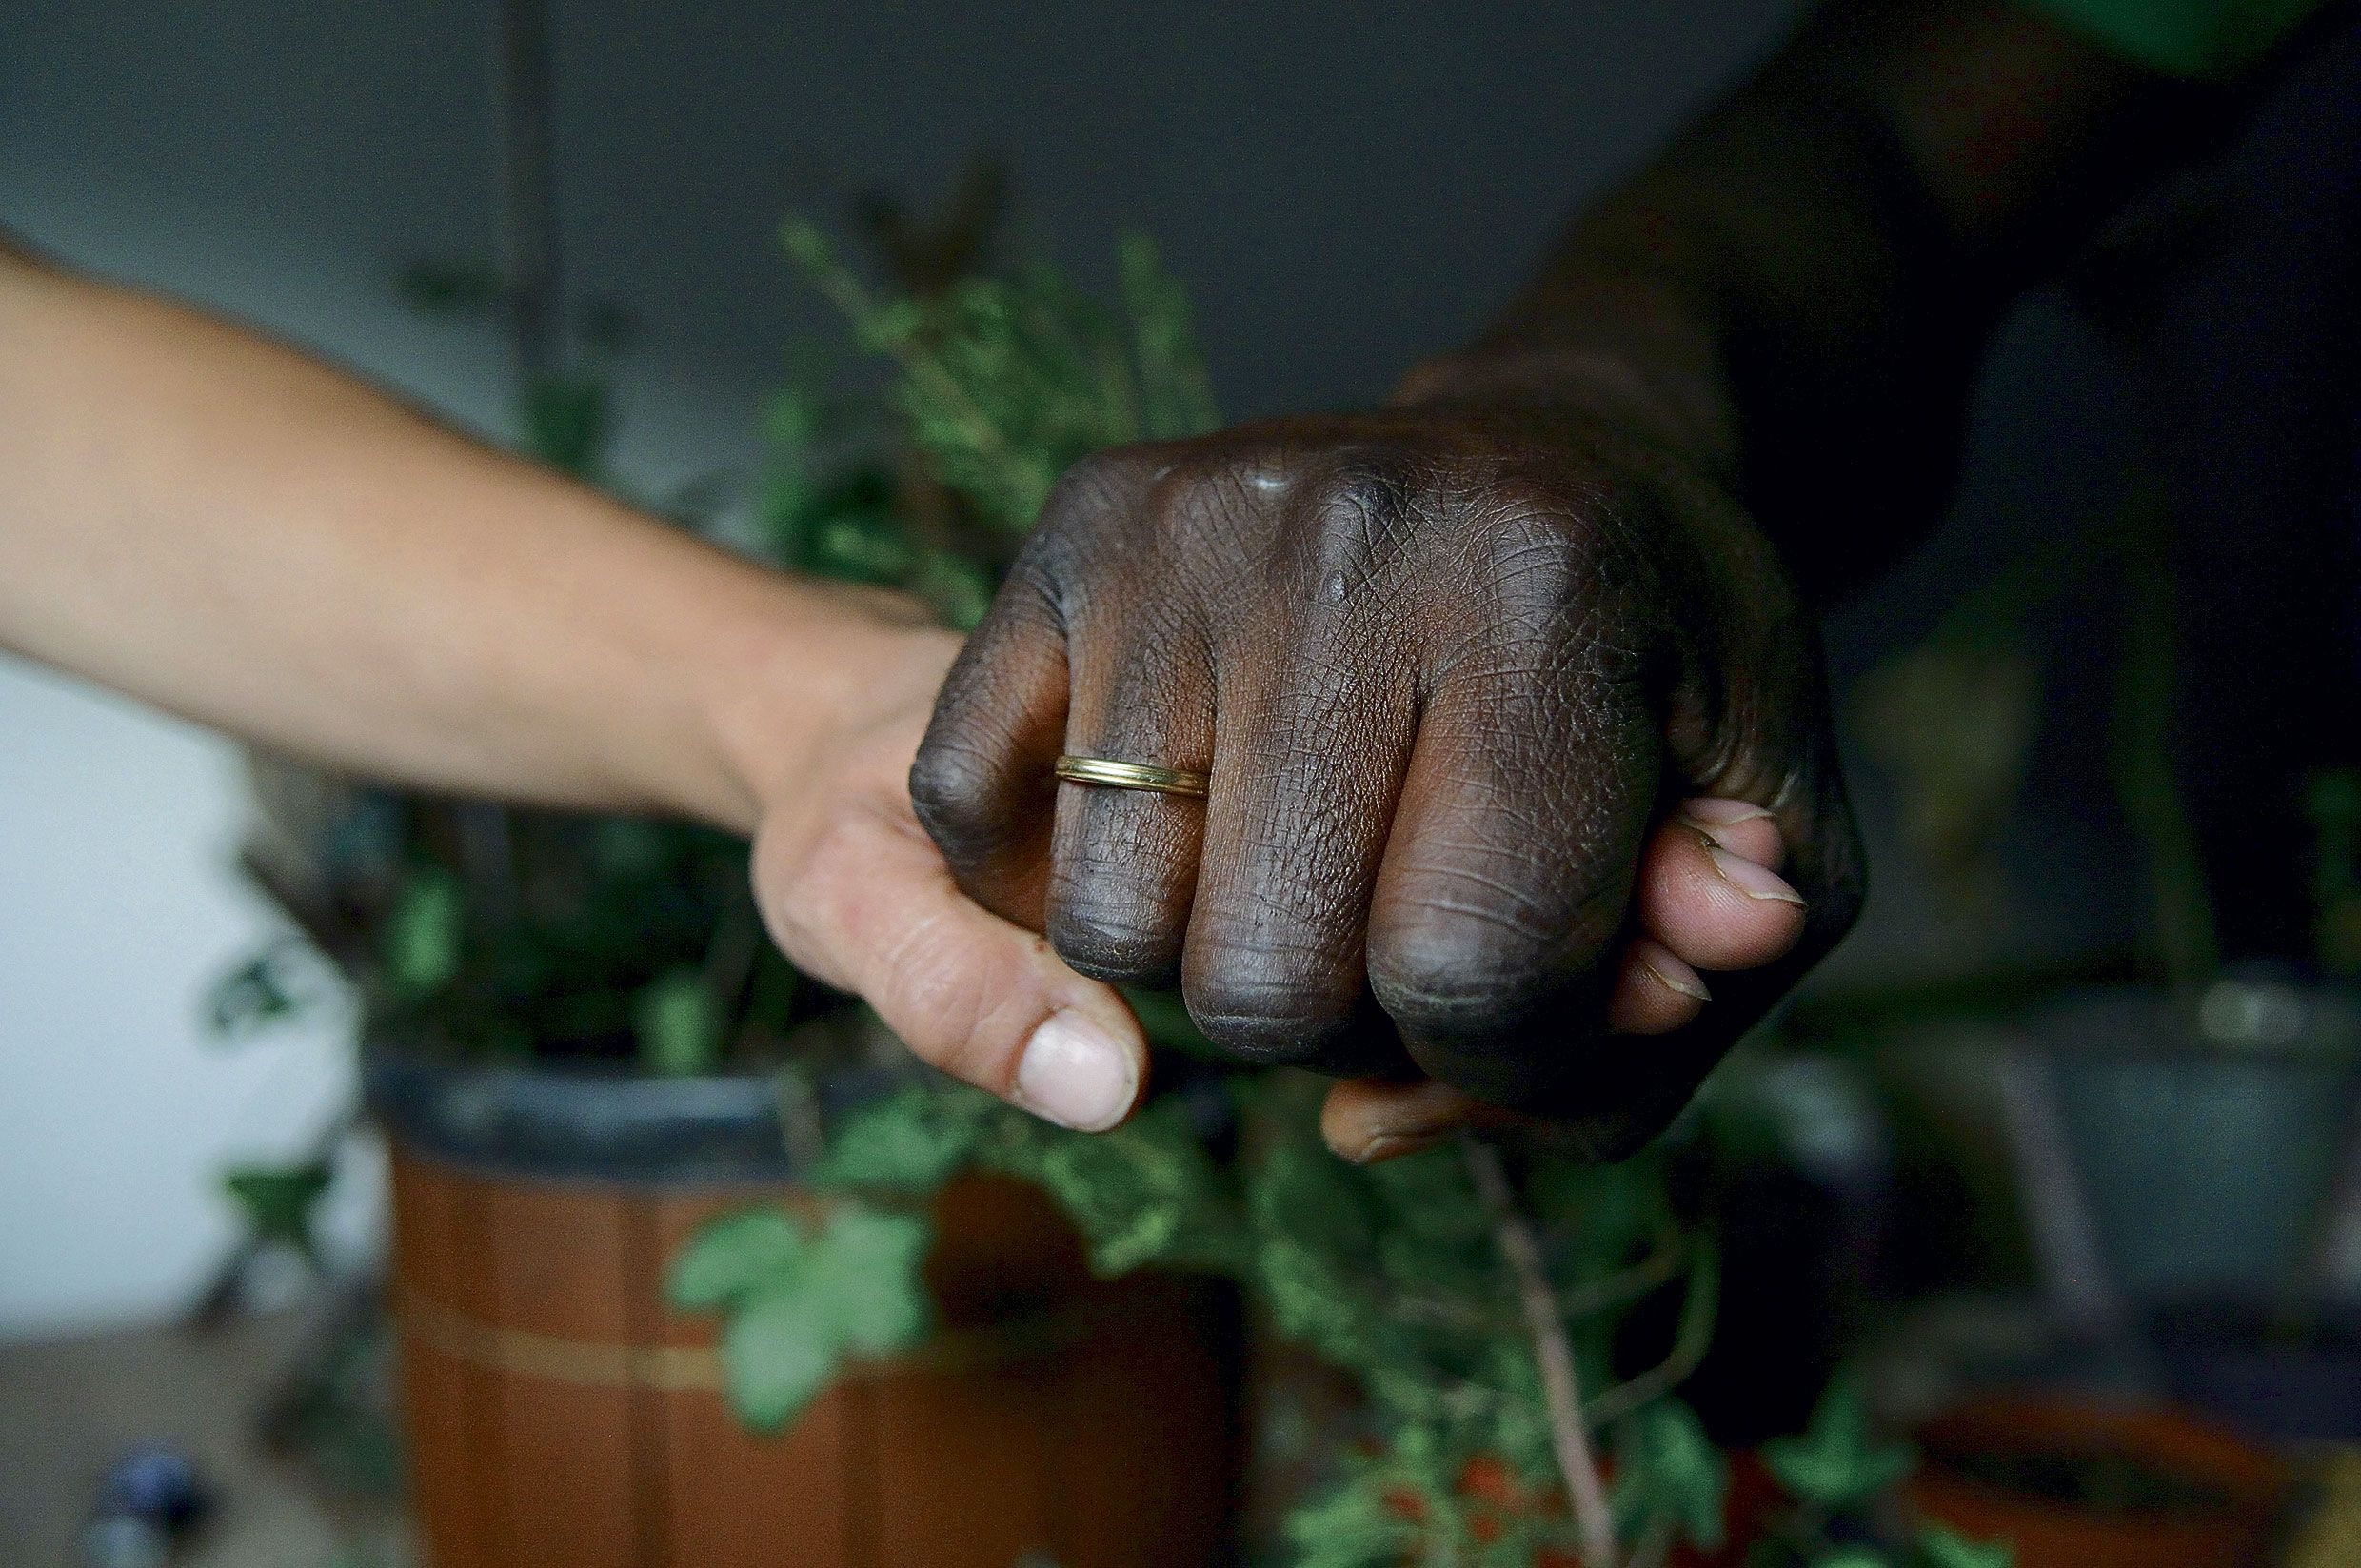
(1692,1335)
(1552,1352)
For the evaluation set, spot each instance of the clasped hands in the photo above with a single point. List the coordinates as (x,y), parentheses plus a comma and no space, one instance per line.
(1520,796)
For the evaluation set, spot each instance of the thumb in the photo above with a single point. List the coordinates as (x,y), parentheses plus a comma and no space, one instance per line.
(865,902)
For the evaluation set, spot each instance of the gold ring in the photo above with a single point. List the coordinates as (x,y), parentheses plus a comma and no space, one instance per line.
(1115,775)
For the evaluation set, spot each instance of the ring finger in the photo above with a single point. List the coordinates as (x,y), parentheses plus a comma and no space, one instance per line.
(1123,861)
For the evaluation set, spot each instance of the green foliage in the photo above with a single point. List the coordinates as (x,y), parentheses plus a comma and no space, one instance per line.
(1147,1193)
(1175,398)
(1837,1464)
(423,932)
(279,1202)
(1354,1526)
(678,1025)
(798,1303)
(1671,1473)
(910,1141)
(1940,1547)
(731,1258)
(1007,380)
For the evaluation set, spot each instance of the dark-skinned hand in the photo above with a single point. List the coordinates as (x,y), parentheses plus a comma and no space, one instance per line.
(1511,720)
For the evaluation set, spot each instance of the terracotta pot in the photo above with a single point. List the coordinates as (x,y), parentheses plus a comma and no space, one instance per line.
(2199,1497)
(557,1414)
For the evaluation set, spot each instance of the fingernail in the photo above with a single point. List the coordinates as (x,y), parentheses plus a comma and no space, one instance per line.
(1691,987)
(1076,1074)
(1388,1146)
(1750,878)
(1719,812)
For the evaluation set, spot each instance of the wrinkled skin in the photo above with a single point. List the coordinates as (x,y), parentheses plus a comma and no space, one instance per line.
(1449,670)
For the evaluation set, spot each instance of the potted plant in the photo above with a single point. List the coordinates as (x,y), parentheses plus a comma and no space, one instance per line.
(582,1046)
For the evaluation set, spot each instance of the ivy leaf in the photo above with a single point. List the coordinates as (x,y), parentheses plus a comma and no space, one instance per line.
(278,1202)
(910,1141)
(1835,1464)
(732,1258)
(861,1279)
(1940,1547)
(776,1358)
(678,1025)
(1850,1557)
(799,1303)
(1672,1470)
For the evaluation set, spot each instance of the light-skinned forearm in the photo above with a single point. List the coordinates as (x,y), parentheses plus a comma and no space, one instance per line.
(229,530)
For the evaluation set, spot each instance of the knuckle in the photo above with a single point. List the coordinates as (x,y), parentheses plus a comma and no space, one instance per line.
(811,886)
(1270,1005)
(1126,938)
(937,1004)
(1361,521)
(954,792)
(1091,485)
(1533,560)
(1467,972)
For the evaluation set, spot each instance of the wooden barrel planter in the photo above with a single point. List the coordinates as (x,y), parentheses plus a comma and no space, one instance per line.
(557,1414)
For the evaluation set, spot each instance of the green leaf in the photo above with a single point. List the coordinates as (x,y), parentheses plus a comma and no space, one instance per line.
(1147,1193)
(776,1358)
(1672,1470)
(798,1303)
(910,1141)
(958,590)
(1835,1464)
(678,1024)
(734,1257)
(279,1201)
(1940,1547)
(861,1279)
(863,548)
(1850,1557)
(1355,1526)
(423,934)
